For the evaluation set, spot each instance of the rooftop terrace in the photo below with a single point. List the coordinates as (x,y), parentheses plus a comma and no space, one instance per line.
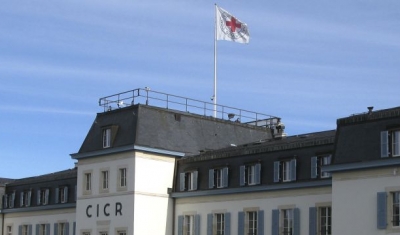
(168,101)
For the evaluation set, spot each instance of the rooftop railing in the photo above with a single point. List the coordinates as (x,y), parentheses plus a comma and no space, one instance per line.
(173,102)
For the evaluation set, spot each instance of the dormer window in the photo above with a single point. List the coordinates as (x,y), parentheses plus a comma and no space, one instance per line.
(316,166)
(390,143)
(106,138)
(108,135)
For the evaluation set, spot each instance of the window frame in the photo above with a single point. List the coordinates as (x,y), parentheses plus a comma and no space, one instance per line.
(43,196)
(251,221)
(250,174)
(317,162)
(218,177)
(287,221)
(390,143)
(188,225)
(106,137)
(188,180)
(285,170)
(104,183)
(9,229)
(87,182)
(324,220)
(219,222)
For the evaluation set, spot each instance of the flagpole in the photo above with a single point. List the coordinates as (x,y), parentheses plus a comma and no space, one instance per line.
(215,64)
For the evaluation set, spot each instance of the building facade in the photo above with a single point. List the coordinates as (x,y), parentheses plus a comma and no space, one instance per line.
(146,168)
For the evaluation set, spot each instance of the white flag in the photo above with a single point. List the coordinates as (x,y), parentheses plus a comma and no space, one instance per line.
(230,28)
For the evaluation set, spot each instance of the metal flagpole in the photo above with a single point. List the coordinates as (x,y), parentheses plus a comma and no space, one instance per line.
(215,64)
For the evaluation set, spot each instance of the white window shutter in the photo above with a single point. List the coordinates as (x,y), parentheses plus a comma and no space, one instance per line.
(384,144)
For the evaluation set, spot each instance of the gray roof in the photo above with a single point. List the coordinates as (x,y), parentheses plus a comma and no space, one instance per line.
(4,181)
(167,129)
(270,145)
(59,175)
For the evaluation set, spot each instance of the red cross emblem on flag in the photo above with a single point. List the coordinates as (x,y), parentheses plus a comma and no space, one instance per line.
(233,24)
(230,28)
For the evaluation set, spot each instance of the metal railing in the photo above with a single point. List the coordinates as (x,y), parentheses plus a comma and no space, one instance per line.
(168,101)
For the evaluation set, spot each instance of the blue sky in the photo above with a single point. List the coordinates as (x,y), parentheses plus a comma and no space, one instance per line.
(309,62)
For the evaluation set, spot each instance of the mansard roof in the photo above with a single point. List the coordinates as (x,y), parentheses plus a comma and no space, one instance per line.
(167,129)
(269,145)
(358,136)
(55,176)
(4,181)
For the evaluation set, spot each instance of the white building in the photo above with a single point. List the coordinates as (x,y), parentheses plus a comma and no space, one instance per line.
(151,169)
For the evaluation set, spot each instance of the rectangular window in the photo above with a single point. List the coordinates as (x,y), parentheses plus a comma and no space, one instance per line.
(287,222)
(188,225)
(325,220)
(285,171)
(390,143)
(316,166)
(27,198)
(122,177)
(9,230)
(43,196)
(285,166)
(251,222)
(218,177)
(61,229)
(107,138)
(88,181)
(104,179)
(250,174)
(219,221)
(396,209)
(103,233)
(85,233)
(42,229)
(11,200)
(188,181)
(63,194)
(121,232)
(24,230)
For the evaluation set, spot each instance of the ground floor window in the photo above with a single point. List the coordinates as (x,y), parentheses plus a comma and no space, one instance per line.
(325,220)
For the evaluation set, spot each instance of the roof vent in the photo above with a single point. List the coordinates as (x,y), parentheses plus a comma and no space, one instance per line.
(370,108)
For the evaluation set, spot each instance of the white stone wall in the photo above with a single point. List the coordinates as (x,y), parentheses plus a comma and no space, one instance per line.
(355,200)
(145,202)
(266,201)
(40,217)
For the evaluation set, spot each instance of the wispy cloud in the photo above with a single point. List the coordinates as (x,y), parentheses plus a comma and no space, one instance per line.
(32,109)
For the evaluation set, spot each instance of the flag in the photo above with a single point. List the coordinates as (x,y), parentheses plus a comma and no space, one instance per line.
(230,28)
